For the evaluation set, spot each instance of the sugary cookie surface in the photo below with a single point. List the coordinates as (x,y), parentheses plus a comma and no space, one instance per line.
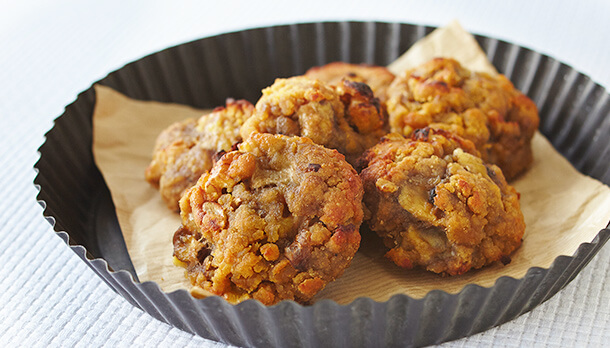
(485,109)
(347,118)
(437,206)
(277,219)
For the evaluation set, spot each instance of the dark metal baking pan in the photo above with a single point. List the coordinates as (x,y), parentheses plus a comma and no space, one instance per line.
(575,116)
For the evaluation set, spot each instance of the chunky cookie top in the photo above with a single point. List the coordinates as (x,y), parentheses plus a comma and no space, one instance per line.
(277,219)
(482,108)
(438,206)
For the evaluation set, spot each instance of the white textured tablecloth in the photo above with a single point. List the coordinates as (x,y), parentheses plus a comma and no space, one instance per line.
(52,50)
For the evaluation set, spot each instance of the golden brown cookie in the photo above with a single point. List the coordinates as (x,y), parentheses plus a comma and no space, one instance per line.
(186,149)
(485,109)
(376,77)
(276,220)
(437,206)
(348,118)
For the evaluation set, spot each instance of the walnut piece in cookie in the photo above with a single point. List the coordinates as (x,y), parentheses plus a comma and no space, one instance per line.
(482,108)
(348,119)
(438,206)
(275,220)
(186,149)
(378,78)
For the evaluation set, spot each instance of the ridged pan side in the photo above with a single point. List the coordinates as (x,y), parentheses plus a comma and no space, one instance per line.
(574,116)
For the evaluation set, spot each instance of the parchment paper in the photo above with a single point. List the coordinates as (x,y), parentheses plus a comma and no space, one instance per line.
(124,134)
(451,41)
(562,207)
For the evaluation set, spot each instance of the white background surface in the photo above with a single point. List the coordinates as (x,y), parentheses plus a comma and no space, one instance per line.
(52,50)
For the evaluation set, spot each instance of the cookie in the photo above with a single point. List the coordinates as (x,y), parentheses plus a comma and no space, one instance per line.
(378,78)
(438,206)
(185,150)
(275,220)
(482,108)
(348,118)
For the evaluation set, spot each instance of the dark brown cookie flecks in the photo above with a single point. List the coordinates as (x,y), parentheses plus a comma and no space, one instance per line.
(482,108)
(347,117)
(438,206)
(277,219)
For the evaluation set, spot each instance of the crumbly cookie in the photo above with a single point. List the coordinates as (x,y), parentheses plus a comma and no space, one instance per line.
(485,109)
(348,118)
(438,206)
(376,77)
(186,149)
(276,220)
